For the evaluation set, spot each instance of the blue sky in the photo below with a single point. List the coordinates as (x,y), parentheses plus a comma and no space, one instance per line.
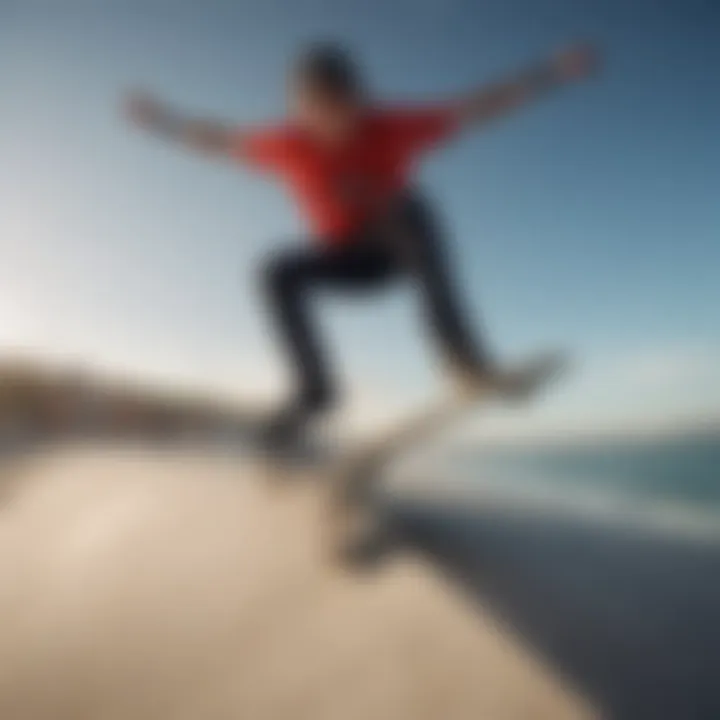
(590,221)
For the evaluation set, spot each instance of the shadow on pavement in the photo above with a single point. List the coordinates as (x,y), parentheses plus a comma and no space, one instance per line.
(630,618)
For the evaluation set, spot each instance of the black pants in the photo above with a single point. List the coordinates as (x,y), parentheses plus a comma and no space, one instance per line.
(406,244)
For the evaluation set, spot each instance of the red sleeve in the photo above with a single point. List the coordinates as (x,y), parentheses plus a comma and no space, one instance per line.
(263,148)
(421,128)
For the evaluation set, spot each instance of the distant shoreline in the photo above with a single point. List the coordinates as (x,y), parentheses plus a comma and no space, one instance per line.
(704,431)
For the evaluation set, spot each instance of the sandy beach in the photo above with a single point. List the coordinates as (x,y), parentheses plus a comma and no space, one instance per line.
(144,584)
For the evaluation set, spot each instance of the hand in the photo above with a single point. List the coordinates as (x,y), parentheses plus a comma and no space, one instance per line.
(143,109)
(576,62)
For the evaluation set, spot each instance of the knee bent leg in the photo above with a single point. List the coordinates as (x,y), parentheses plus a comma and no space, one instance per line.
(278,275)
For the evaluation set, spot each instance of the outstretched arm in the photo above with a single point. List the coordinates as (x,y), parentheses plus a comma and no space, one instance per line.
(572,64)
(207,136)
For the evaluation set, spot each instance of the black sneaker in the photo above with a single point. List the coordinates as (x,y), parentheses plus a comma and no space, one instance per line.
(283,431)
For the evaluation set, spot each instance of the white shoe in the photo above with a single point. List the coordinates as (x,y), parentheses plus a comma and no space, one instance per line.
(516,383)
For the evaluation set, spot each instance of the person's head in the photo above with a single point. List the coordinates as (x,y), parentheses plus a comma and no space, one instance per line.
(326,89)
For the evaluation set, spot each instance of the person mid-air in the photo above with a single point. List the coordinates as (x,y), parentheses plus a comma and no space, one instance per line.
(350,161)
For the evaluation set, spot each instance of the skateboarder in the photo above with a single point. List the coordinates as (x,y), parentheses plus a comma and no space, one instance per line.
(349,161)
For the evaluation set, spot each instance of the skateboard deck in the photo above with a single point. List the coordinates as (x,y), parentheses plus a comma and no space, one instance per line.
(356,517)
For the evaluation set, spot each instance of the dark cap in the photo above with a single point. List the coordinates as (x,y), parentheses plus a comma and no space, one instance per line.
(329,68)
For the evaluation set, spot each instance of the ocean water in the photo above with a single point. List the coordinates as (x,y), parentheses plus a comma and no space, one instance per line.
(673,477)
(683,470)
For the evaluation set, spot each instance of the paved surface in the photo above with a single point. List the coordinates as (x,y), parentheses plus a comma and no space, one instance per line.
(139,585)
